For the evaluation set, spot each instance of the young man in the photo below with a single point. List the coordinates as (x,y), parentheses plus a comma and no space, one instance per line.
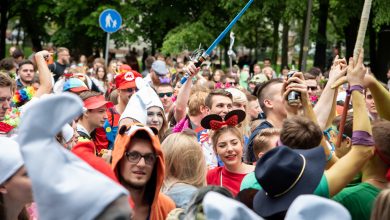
(126,87)
(59,66)
(359,199)
(271,102)
(6,89)
(313,88)
(138,163)
(254,109)
(26,74)
(158,74)
(165,92)
(94,114)
(218,102)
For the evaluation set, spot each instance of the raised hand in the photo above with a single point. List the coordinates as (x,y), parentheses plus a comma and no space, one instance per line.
(356,71)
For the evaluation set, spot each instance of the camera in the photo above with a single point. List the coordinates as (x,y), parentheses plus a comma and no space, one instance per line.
(294,97)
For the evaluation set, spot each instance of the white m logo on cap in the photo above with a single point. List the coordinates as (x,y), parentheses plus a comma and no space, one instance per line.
(129,76)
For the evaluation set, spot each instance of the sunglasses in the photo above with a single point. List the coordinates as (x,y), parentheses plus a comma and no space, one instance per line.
(131,90)
(312,88)
(168,94)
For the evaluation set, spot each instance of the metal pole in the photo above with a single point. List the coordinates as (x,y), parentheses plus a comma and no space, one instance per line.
(306,37)
(107,48)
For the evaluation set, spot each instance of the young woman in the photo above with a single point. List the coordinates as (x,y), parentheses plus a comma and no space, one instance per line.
(156,118)
(185,167)
(228,144)
(101,76)
(15,186)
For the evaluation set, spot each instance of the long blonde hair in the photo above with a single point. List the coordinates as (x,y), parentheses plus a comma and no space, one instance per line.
(381,208)
(184,160)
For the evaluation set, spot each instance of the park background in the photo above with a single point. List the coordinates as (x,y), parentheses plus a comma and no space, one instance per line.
(270,28)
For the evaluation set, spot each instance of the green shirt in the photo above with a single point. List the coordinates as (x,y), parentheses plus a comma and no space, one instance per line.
(358,199)
(250,181)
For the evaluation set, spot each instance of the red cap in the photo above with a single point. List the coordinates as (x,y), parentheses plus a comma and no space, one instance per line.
(126,80)
(95,102)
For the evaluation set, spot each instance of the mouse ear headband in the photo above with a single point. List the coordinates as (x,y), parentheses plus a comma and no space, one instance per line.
(216,122)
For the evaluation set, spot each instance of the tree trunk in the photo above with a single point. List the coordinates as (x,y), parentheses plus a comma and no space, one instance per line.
(286,28)
(302,43)
(372,33)
(275,43)
(383,55)
(256,44)
(306,38)
(321,43)
(350,33)
(3,27)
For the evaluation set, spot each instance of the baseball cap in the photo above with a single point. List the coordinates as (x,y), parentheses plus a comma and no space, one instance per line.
(160,67)
(75,85)
(95,102)
(126,80)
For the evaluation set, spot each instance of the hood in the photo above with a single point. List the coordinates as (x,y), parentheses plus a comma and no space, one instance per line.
(122,141)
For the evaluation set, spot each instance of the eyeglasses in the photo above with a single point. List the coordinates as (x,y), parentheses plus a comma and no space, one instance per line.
(168,94)
(134,157)
(312,88)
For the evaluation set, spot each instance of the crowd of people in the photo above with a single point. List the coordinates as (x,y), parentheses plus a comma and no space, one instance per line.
(82,140)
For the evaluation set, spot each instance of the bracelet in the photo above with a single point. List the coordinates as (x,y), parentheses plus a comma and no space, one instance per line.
(359,88)
(362,138)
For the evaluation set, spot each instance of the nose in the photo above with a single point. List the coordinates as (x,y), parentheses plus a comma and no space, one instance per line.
(141,162)
(6,104)
(155,118)
(229,148)
(105,115)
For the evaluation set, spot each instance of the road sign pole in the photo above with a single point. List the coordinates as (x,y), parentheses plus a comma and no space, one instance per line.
(107,48)
(110,21)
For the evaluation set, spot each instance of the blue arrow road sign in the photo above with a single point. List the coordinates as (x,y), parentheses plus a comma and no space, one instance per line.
(110,20)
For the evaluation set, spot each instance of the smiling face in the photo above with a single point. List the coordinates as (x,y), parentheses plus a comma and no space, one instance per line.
(165,93)
(229,148)
(221,105)
(137,174)
(155,117)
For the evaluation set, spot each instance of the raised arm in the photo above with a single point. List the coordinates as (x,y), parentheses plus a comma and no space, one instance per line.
(342,172)
(297,83)
(184,94)
(323,110)
(45,78)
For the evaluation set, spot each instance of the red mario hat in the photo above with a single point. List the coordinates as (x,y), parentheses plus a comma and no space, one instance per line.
(126,80)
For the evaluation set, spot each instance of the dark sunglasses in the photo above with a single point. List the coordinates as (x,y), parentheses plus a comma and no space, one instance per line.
(313,88)
(131,90)
(168,94)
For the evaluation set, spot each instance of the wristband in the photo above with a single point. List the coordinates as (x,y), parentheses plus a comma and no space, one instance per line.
(359,88)
(362,138)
